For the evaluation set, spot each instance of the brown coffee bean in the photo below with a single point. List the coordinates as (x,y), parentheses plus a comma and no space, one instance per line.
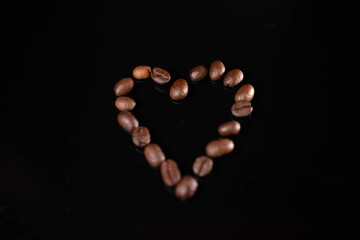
(202,166)
(125,103)
(217,70)
(220,147)
(186,188)
(229,128)
(154,155)
(170,173)
(233,78)
(141,136)
(245,93)
(127,121)
(179,89)
(241,109)
(123,86)
(160,76)
(198,73)
(141,72)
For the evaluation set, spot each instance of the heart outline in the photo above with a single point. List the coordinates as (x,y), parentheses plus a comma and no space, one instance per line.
(192,184)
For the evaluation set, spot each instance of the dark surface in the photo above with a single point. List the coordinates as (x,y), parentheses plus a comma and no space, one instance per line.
(68,171)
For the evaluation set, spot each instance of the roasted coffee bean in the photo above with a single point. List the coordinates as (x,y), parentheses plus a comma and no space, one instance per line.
(141,72)
(127,121)
(229,128)
(125,103)
(141,136)
(198,73)
(245,93)
(217,70)
(233,78)
(154,155)
(123,86)
(170,172)
(186,188)
(160,75)
(220,147)
(179,89)
(202,166)
(241,109)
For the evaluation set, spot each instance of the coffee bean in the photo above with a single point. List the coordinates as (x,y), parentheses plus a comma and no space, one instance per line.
(241,109)
(141,136)
(217,70)
(154,155)
(127,121)
(186,188)
(229,128)
(233,78)
(179,89)
(125,103)
(220,147)
(202,166)
(198,73)
(170,173)
(123,86)
(245,93)
(141,72)
(160,75)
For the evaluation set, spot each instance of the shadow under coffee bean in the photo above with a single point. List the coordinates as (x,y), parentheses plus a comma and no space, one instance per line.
(161,88)
(183,186)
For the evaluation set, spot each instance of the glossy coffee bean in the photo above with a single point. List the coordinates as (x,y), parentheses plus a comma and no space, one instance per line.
(241,109)
(141,72)
(198,73)
(229,128)
(186,188)
(123,86)
(233,78)
(160,76)
(127,121)
(170,173)
(154,155)
(179,90)
(202,166)
(217,70)
(125,103)
(220,147)
(245,93)
(141,136)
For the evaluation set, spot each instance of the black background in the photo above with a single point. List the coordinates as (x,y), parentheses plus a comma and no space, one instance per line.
(68,171)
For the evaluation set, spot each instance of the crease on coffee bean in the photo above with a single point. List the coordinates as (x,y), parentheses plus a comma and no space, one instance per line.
(143,140)
(170,175)
(201,167)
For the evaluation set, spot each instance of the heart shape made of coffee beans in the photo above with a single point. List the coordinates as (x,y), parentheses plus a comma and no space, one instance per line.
(185,186)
